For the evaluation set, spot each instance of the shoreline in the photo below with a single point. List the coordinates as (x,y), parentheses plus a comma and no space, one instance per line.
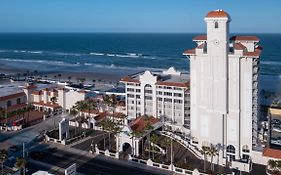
(270,83)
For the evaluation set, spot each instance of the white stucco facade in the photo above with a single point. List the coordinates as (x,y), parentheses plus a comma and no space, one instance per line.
(224,88)
(164,95)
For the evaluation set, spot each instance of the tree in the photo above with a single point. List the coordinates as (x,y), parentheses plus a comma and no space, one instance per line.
(153,139)
(29,108)
(3,158)
(204,152)
(212,151)
(69,78)
(59,76)
(166,142)
(20,164)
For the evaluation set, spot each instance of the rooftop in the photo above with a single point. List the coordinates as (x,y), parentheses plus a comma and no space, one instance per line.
(217,14)
(170,77)
(140,123)
(10,89)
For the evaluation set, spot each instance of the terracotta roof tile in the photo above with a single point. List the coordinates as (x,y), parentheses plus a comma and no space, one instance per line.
(273,153)
(129,79)
(139,123)
(48,104)
(239,46)
(189,52)
(245,38)
(256,53)
(12,96)
(200,38)
(217,14)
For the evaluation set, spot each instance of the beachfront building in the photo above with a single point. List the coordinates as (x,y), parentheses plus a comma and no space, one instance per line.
(164,95)
(224,89)
(12,99)
(53,98)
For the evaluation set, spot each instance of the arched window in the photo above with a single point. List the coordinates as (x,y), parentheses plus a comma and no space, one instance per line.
(216,25)
(230,149)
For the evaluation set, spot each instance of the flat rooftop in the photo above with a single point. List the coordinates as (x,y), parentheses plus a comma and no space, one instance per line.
(9,89)
(168,77)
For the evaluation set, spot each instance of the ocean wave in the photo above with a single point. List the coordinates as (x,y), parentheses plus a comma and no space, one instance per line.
(96,53)
(57,63)
(272,63)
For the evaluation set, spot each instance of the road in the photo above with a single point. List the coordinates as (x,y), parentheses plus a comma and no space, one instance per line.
(28,134)
(63,157)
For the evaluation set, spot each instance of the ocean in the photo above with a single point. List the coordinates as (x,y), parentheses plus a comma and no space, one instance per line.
(106,52)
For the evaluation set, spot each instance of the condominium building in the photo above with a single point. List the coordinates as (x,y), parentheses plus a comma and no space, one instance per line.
(164,95)
(224,89)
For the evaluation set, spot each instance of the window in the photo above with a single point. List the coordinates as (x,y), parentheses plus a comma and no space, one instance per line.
(130,90)
(216,25)
(159,99)
(168,100)
(177,94)
(230,149)
(159,93)
(168,93)
(130,96)
(245,149)
(137,90)
(148,91)
(138,96)
(18,101)
(176,88)
(178,101)
(9,103)
(148,98)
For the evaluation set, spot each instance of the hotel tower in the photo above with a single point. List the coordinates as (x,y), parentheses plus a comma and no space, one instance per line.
(224,89)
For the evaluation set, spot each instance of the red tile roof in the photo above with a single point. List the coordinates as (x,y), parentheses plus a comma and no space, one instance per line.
(256,53)
(189,52)
(178,84)
(12,96)
(200,38)
(140,123)
(91,111)
(273,153)
(31,86)
(48,104)
(129,79)
(36,93)
(100,116)
(217,14)
(245,38)
(16,107)
(239,46)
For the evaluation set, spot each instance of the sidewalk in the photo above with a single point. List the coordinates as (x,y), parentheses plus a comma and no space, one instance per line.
(117,161)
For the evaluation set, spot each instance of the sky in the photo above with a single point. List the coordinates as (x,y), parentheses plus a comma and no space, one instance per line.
(152,16)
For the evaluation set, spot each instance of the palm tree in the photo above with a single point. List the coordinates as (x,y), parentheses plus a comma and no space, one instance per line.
(212,151)
(20,164)
(166,142)
(204,152)
(3,158)
(69,78)
(272,164)
(153,139)
(80,106)
(73,111)
(29,108)
(103,128)
(59,76)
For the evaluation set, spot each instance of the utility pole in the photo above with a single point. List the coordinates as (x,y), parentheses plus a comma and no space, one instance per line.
(23,148)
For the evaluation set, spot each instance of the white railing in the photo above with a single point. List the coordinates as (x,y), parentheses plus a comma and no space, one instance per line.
(184,143)
(171,167)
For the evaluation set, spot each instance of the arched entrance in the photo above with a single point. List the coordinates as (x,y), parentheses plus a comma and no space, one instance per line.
(127,148)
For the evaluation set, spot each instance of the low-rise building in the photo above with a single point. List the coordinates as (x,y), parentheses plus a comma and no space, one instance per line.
(52,98)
